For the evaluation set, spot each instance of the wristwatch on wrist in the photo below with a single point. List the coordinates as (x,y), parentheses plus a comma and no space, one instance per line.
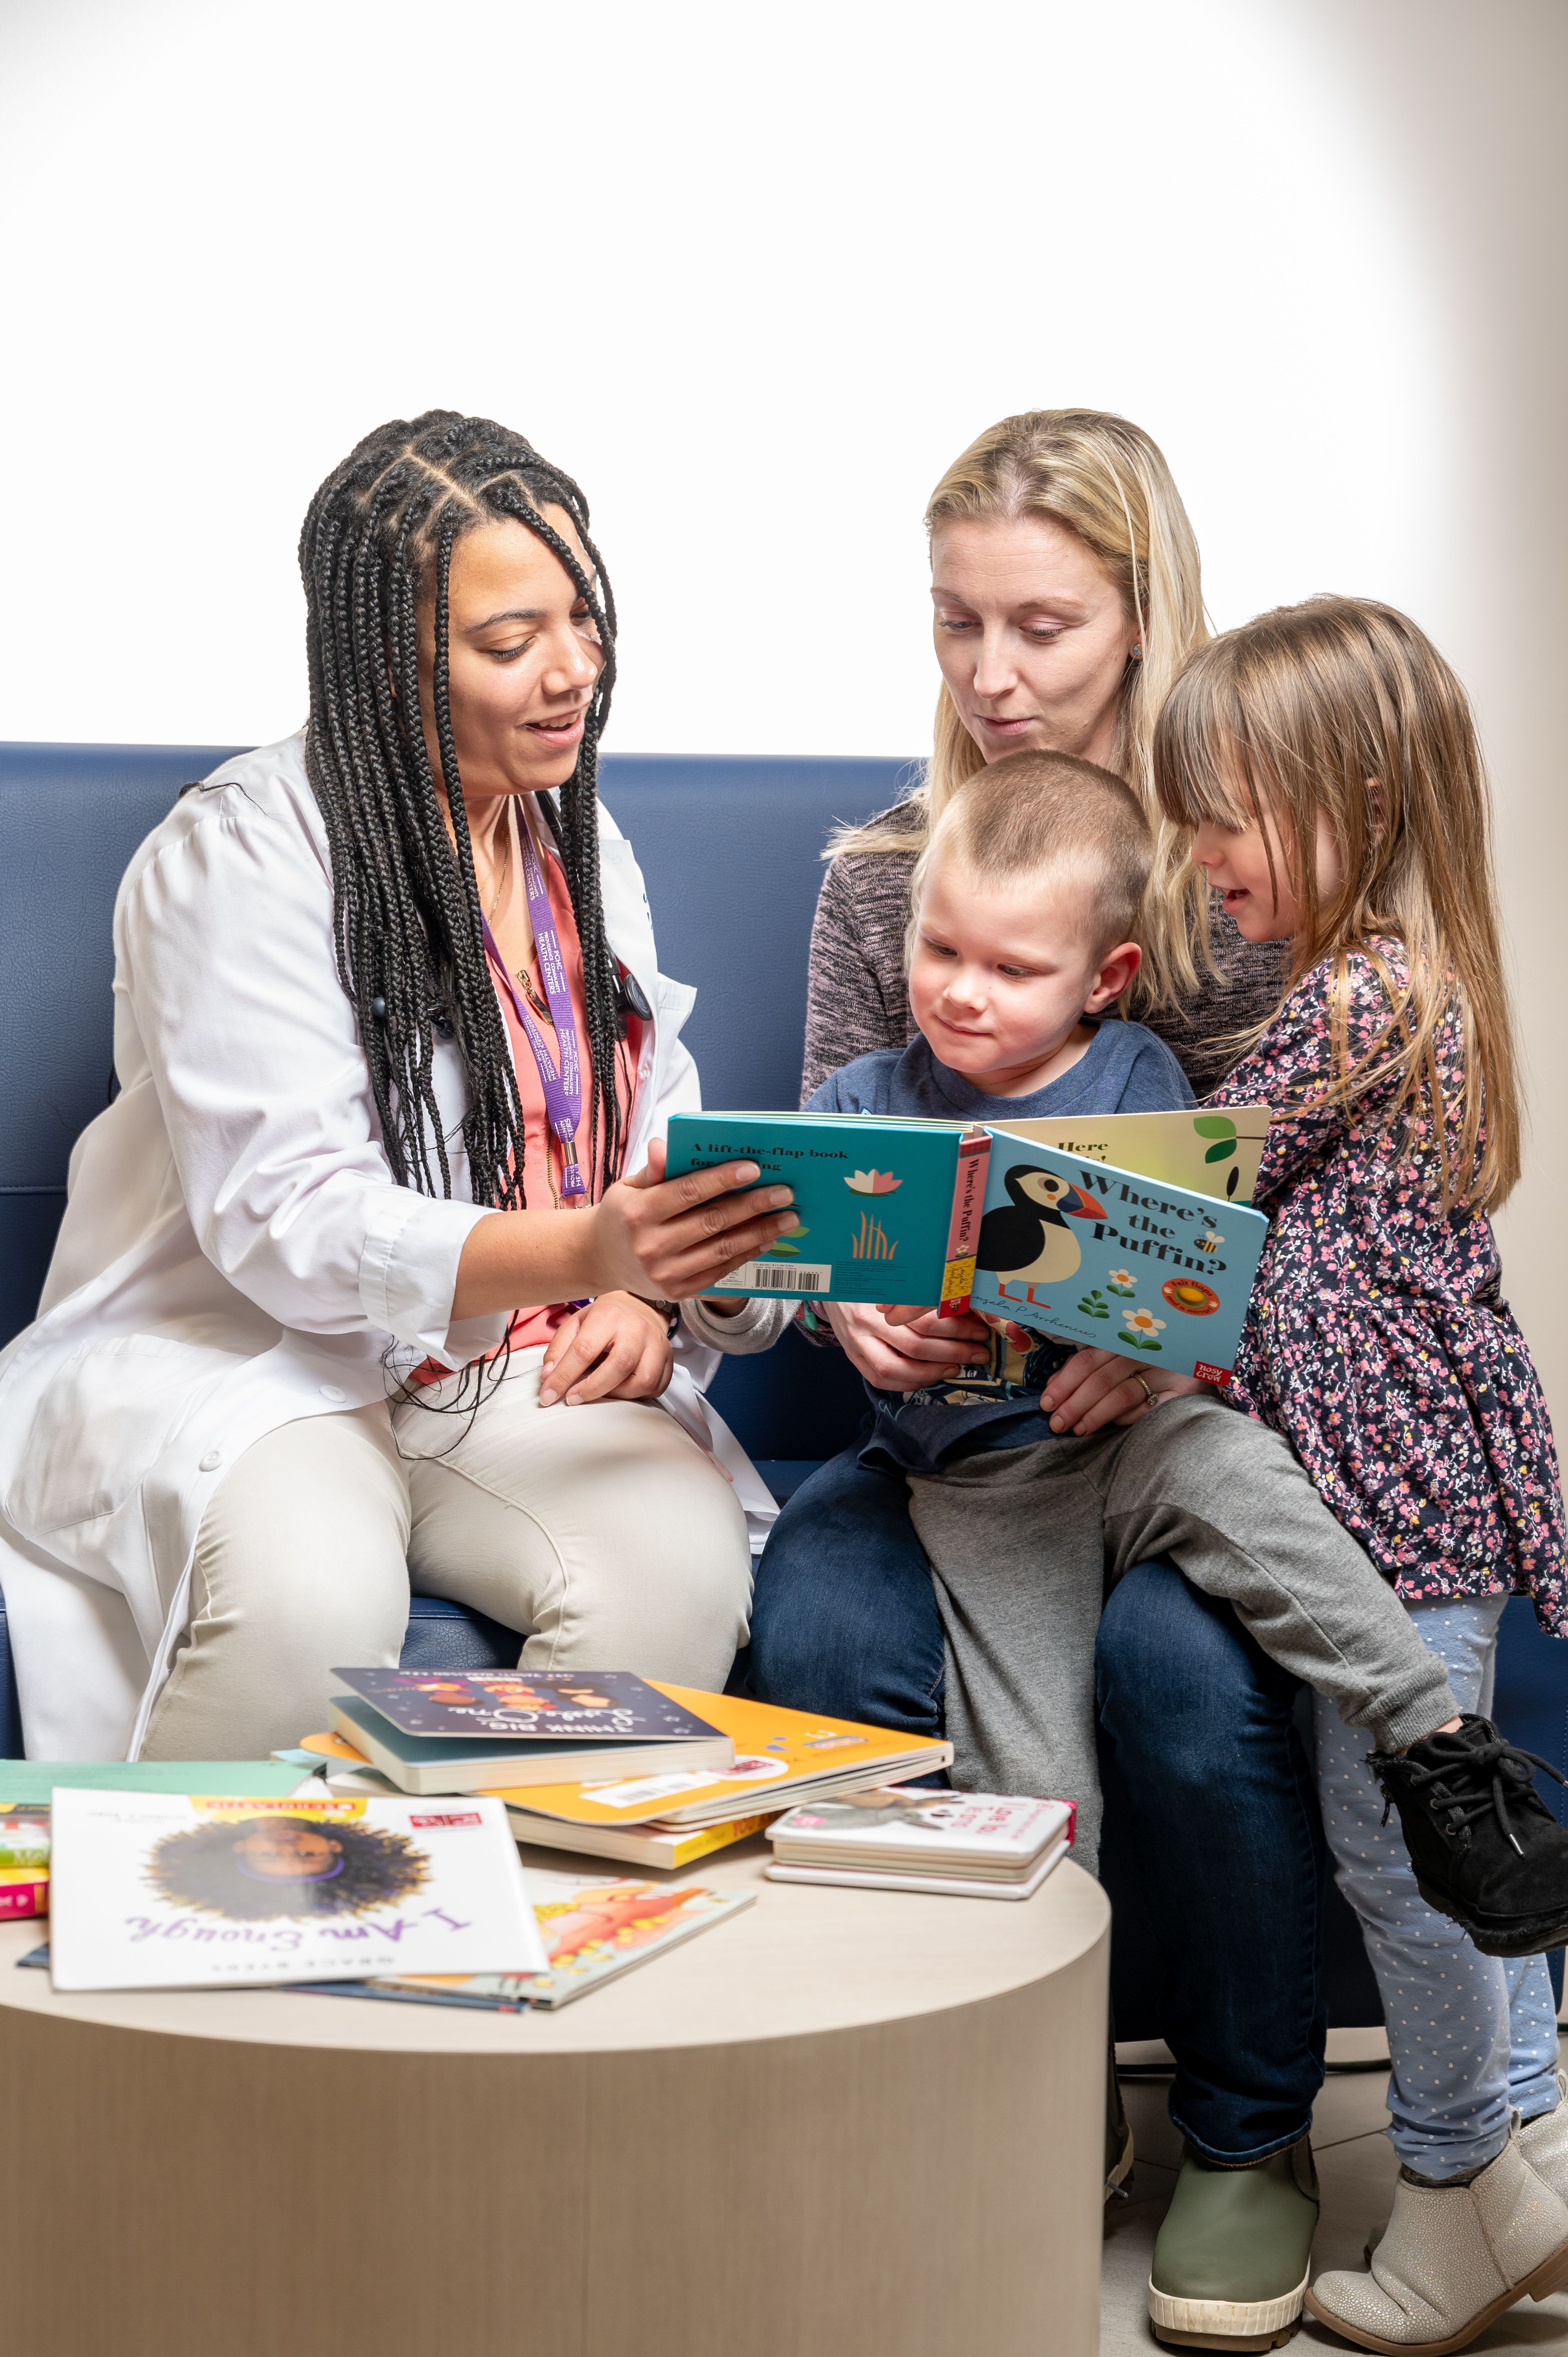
(672,1312)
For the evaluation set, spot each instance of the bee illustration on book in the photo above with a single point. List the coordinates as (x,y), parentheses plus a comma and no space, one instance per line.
(247,1867)
(1028,1242)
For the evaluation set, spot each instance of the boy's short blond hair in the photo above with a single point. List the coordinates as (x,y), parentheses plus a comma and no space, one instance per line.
(1038,813)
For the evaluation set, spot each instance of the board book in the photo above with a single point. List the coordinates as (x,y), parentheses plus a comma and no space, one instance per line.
(166,1891)
(1131,1231)
(24,1861)
(1093,1254)
(939,1885)
(664,1848)
(985,1834)
(888,1210)
(476,1763)
(526,1707)
(32,1782)
(780,1758)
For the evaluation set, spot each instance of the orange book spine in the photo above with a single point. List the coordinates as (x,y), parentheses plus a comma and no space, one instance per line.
(968,1202)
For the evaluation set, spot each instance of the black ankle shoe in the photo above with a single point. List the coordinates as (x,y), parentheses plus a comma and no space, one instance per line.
(1486,1848)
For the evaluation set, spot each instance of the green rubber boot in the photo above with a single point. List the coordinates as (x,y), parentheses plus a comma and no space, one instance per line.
(1231,2260)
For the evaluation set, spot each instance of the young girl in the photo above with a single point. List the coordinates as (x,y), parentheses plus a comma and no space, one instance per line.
(1326,758)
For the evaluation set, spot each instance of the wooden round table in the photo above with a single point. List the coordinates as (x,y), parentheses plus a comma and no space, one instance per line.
(843,2120)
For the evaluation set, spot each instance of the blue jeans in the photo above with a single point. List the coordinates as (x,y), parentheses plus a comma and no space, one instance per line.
(842,1616)
(1471,2038)
(1196,1727)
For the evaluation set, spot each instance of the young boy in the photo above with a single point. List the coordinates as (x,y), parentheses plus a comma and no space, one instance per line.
(1021,942)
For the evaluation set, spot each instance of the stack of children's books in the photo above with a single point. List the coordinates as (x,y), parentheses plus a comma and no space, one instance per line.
(389,1865)
(609,1765)
(970,1845)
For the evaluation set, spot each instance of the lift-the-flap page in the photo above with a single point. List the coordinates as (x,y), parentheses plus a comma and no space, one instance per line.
(887,1209)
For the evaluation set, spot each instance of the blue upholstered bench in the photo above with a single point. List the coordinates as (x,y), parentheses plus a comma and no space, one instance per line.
(731,852)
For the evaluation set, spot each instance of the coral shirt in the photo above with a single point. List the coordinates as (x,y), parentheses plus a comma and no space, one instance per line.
(543,1158)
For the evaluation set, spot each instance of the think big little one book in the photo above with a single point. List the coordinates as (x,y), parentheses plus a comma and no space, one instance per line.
(1127,1231)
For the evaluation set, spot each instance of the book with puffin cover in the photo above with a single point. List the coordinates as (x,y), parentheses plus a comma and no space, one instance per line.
(165,1890)
(890,1210)
(1088,1253)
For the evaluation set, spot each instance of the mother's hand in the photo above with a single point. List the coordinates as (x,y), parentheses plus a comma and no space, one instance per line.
(1100,1387)
(903,1349)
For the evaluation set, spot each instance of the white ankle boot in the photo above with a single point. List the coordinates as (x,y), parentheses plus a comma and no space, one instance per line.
(1453,2257)
(1544,2142)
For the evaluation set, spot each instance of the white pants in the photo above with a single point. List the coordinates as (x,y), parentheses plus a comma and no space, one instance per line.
(603,1530)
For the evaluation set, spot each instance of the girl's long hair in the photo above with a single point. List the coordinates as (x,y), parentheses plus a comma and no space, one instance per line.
(376,543)
(1342,709)
(1102,478)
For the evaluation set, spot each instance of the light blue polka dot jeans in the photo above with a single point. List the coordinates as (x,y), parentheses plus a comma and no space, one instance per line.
(1470,2036)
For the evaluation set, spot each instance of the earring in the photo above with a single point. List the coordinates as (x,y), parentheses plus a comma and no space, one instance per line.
(1136,655)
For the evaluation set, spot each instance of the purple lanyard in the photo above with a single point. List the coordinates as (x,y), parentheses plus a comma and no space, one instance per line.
(563,1090)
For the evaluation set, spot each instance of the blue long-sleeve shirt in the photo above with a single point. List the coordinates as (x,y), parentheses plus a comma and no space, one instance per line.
(1125,1070)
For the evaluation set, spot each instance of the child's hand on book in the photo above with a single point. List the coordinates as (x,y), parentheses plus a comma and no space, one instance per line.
(903,1349)
(1100,1387)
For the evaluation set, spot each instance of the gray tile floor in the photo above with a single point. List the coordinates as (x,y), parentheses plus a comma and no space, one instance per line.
(1356,2167)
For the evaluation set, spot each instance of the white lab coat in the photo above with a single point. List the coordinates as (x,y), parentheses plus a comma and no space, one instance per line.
(235,1254)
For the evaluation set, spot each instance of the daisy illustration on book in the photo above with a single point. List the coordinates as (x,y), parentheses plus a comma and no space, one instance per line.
(247,1867)
(1141,1329)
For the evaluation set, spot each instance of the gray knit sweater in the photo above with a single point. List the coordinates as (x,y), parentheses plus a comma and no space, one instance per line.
(857,1002)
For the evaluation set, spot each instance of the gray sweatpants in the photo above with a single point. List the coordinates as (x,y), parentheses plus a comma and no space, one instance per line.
(1023,1541)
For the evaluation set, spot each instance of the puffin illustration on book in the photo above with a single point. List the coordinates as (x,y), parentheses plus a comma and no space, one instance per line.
(1027,1240)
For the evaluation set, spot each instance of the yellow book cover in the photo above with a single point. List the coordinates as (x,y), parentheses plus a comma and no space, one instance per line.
(1213,1149)
(778,1752)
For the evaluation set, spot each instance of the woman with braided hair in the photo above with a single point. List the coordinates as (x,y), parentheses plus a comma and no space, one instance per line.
(371,1267)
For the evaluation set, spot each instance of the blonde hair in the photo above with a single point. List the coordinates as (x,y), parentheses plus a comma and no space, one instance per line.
(1031,813)
(1342,708)
(1103,478)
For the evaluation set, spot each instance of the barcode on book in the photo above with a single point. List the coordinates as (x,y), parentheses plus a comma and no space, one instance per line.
(778,1276)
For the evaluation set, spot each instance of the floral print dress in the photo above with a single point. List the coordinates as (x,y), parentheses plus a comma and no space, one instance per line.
(1379,1341)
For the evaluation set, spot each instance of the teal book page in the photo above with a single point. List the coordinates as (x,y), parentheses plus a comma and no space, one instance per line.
(873,1199)
(1080,1250)
(32,1781)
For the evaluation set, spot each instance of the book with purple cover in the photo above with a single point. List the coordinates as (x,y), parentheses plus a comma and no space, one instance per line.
(517,1706)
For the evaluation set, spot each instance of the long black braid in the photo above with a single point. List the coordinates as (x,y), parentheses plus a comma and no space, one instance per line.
(407,921)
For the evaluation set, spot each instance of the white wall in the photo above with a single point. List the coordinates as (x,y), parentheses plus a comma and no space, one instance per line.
(755,276)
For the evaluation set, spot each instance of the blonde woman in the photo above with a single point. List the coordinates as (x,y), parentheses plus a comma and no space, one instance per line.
(1067,595)
(1067,598)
